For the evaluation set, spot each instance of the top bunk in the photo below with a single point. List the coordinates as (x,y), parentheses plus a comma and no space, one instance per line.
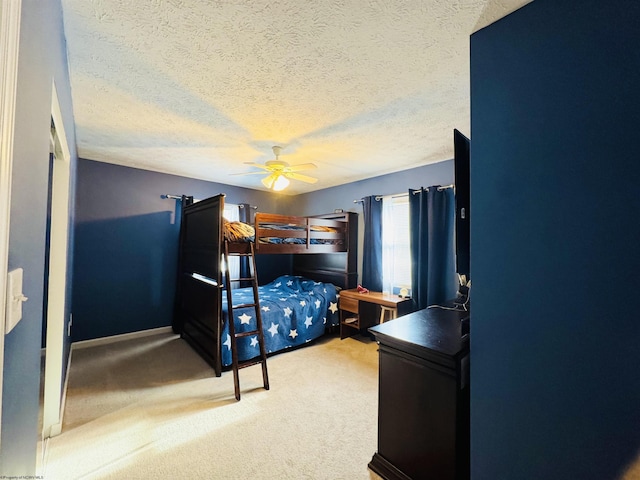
(286,234)
(331,238)
(291,234)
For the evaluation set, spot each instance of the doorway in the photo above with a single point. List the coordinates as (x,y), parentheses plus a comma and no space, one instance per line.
(56,325)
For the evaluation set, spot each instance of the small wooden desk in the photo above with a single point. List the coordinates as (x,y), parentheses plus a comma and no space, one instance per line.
(359,310)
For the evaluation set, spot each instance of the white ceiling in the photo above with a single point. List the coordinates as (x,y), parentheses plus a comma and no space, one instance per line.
(196,88)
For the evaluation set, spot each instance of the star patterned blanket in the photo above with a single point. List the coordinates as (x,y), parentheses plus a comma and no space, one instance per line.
(294,310)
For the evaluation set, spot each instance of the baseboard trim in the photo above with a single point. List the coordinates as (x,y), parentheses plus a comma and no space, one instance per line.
(56,429)
(94,342)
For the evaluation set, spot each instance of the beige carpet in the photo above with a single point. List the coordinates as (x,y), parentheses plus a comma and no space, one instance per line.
(151,408)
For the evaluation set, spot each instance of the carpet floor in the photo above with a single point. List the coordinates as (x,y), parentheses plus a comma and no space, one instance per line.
(151,408)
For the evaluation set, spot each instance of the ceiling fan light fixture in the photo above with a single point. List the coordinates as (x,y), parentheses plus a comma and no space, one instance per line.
(280,183)
(276,182)
(268,181)
(279,172)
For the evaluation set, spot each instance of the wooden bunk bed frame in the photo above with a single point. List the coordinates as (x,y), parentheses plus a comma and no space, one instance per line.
(324,248)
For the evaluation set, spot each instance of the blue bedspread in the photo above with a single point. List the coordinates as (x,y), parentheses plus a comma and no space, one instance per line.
(294,310)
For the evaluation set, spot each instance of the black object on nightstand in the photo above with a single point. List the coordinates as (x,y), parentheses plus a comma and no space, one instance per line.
(423,407)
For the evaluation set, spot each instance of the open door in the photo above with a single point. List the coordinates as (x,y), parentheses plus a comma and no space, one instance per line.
(57,325)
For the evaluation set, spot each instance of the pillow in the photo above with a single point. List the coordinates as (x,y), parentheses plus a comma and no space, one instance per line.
(238,231)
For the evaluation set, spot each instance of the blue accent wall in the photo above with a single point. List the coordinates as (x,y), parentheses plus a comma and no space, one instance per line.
(555,388)
(127,245)
(127,237)
(42,60)
(342,196)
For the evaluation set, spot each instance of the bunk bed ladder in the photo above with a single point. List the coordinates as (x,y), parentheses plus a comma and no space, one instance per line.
(253,278)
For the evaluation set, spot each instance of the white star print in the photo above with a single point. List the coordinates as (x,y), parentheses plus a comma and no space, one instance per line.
(287,311)
(289,283)
(265,309)
(273,329)
(302,303)
(333,307)
(227,342)
(308,322)
(244,319)
(279,284)
(293,333)
(324,320)
(318,303)
(254,341)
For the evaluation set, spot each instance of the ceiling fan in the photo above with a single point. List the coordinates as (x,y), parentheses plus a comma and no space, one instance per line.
(280,172)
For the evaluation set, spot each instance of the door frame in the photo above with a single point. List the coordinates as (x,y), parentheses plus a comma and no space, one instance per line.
(10,14)
(57,326)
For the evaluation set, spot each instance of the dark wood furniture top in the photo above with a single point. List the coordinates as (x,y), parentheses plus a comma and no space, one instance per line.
(423,402)
(432,333)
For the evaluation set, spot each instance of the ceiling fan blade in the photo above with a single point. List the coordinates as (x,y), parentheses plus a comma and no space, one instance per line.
(249,173)
(269,180)
(300,167)
(259,165)
(302,178)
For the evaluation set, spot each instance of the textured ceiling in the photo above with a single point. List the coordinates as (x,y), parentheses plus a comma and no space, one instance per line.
(196,88)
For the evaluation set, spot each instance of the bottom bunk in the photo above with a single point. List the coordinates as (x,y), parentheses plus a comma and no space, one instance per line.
(294,309)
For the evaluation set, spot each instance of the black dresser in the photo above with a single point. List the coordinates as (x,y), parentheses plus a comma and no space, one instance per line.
(423,407)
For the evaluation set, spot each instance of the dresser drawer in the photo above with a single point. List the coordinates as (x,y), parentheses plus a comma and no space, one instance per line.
(349,304)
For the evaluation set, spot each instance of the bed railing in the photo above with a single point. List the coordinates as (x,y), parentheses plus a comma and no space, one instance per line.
(291,234)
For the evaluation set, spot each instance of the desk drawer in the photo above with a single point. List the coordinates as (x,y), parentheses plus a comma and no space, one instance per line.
(349,304)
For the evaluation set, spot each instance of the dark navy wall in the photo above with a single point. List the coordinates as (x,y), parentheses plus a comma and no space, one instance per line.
(342,196)
(127,243)
(42,60)
(127,237)
(555,388)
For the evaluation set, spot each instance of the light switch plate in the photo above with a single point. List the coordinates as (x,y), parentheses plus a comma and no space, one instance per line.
(15,298)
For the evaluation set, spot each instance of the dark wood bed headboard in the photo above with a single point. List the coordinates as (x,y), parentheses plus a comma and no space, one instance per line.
(201,237)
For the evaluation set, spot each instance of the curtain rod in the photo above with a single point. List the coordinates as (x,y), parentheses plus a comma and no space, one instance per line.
(178,197)
(400,195)
(440,188)
(377,199)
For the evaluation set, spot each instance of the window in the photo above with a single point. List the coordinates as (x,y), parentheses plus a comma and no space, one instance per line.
(396,257)
(232,213)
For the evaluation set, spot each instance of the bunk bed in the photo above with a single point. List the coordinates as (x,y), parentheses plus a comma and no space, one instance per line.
(296,308)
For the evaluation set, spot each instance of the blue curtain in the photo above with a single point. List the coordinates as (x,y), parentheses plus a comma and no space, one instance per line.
(372,248)
(432,220)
